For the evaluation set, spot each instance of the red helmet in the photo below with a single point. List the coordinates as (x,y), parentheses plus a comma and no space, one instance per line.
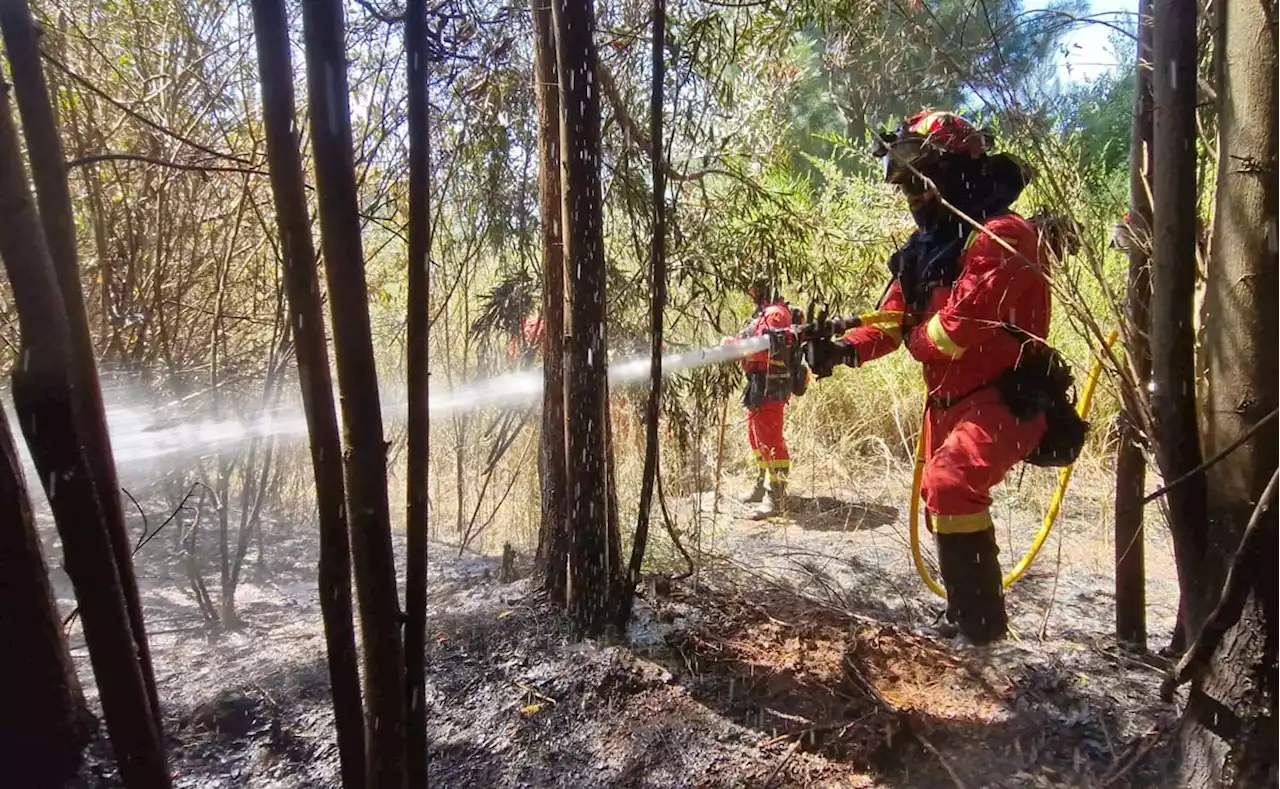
(924,138)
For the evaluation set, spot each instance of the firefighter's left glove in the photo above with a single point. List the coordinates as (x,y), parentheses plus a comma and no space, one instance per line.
(822,355)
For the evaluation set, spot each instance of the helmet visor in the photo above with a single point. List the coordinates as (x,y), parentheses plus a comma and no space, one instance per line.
(900,153)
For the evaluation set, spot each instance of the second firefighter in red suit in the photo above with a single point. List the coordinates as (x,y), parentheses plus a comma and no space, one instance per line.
(770,381)
(964,294)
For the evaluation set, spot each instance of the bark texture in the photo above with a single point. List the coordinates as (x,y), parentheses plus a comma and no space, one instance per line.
(365,456)
(1173,399)
(594,565)
(365,448)
(1131,464)
(553,545)
(658,302)
(275,69)
(53,195)
(45,401)
(415,45)
(44,723)
(1229,734)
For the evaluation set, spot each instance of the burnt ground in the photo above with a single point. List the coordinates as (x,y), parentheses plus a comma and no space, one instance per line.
(795,658)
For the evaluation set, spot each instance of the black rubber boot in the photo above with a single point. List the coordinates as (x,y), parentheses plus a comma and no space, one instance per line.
(757,493)
(971,573)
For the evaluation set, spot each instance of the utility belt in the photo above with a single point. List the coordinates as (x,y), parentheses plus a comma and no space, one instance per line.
(767,387)
(1041,383)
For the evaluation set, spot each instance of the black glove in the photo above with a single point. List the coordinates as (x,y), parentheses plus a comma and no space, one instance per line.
(822,355)
(779,339)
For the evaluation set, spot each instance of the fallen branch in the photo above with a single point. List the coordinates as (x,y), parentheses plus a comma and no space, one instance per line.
(1146,742)
(1234,594)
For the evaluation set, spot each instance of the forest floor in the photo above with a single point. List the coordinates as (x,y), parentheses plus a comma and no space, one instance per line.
(796,657)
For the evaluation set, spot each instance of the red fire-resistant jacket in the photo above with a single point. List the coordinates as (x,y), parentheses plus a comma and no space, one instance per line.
(960,340)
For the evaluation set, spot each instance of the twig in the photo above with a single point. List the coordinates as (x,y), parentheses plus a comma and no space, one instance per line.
(1213,461)
(379,15)
(132,157)
(715,496)
(946,765)
(773,774)
(1053,594)
(1234,594)
(532,692)
(903,719)
(138,117)
(145,538)
(1144,746)
(671,527)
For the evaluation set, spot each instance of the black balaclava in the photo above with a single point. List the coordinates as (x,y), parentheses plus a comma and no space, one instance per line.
(980,188)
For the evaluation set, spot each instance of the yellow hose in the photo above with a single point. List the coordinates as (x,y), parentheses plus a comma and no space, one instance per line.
(1055,504)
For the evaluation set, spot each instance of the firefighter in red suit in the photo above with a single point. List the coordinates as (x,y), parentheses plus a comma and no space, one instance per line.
(524,346)
(768,390)
(963,293)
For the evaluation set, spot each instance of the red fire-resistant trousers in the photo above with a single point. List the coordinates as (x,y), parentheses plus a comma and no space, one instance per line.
(969,448)
(764,433)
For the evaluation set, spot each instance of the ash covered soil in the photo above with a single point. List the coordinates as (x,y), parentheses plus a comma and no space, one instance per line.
(796,657)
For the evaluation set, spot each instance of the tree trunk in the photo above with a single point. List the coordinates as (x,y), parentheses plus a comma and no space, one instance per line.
(46,404)
(293,221)
(1173,401)
(48,170)
(1131,464)
(44,723)
(593,566)
(552,532)
(1229,733)
(419,460)
(366,451)
(658,302)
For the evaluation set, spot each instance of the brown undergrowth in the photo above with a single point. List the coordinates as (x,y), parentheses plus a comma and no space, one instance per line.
(843,686)
(879,698)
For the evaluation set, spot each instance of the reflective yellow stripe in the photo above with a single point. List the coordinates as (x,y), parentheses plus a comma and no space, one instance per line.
(962,524)
(894,332)
(976,234)
(946,346)
(775,464)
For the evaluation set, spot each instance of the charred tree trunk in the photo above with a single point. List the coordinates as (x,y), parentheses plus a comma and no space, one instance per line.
(553,545)
(1229,733)
(48,170)
(302,284)
(1131,464)
(366,451)
(419,460)
(658,302)
(593,566)
(44,723)
(1173,397)
(46,404)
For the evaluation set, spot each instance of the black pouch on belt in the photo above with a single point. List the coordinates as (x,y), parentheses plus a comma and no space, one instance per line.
(753,394)
(1042,383)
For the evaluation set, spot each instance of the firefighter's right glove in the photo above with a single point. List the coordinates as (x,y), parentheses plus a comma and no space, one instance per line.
(822,355)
